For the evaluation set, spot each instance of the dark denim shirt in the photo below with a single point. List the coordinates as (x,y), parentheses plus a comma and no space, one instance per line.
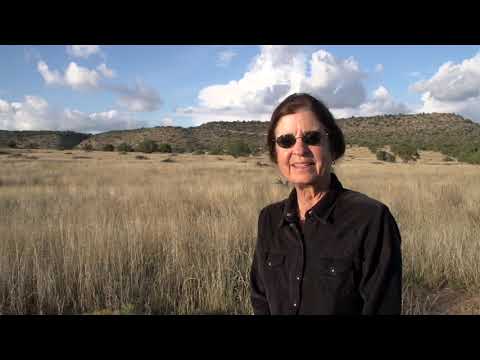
(345,259)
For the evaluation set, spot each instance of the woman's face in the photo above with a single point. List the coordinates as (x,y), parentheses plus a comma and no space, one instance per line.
(303,164)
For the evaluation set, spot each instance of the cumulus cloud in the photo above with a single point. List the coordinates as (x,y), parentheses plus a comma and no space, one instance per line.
(51,77)
(167,121)
(453,82)
(225,57)
(139,98)
(83,51)
(380,103)
(379,68)
(455,88)
(276,72)
(75,76)
(105,71)
(34,113)
(79,77)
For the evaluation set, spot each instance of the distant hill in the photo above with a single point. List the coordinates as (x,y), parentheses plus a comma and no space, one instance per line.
(447,133)
(42,139)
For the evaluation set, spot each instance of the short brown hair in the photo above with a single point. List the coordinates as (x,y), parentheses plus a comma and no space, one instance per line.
(302,101)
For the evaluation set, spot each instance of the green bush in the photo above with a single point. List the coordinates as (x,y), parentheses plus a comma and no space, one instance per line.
(385,156)
(124,147)
(218,150)
(199,152)
(108,147)
(87,147)
(147,146)
(405,151)
(238,148)
(165,148)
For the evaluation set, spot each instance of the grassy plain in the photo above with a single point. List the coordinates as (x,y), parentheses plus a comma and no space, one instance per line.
(105,233)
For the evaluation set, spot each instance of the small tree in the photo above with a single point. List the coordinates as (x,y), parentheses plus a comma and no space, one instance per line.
(165,148)
(87,147)
(147,146)
(108,147)
(124,147)
(406,151)
(238,148)
(385,156)
(218,150)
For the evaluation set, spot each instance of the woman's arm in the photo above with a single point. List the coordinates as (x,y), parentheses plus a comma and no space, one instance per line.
(257,288)
(381,282)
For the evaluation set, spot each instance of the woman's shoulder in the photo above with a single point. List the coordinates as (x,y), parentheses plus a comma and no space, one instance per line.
(274,210)
(357,201)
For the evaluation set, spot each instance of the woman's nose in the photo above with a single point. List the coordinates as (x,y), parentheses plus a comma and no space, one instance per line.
(300,148)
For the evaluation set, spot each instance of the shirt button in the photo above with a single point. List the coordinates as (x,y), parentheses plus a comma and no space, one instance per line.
(332,270)
(269,263)
(298,277)
(294,304)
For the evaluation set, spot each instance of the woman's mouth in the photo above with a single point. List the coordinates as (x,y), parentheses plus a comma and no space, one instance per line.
(302,165)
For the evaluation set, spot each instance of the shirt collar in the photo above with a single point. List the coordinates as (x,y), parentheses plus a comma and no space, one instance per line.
(321,210)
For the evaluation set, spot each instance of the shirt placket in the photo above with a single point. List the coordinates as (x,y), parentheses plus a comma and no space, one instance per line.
(297,273)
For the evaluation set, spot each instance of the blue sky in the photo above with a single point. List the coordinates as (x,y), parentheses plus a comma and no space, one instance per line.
(93,88)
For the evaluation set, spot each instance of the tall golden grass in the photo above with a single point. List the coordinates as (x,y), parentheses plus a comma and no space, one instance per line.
(112,234)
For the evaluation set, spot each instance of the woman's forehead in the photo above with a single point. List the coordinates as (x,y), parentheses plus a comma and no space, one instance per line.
(303,120)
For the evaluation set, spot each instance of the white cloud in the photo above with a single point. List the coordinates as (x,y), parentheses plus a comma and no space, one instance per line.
(139,98)
(50,77)
(81,78)
(105,71)
(167,121)
(34,113)
(453,82)
(276,72)
(380,103)
(225,57)
(83,51)
(379,68)
(75,76)
(454,88)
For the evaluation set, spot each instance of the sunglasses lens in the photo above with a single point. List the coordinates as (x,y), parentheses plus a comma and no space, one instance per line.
(312,138)
(286,141)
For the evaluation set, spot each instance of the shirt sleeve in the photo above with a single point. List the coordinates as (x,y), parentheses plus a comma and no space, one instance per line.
(257,288)
(381,280)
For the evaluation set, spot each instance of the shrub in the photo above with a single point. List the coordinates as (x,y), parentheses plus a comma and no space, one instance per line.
(87,147)
(141,157)
(448,158)
(405,151)
(199,152)
(385,156)
(165,148)
(108,147)
(12,144)
(32,145)
(238,148)
(147,146)
(218,150)
(124,147)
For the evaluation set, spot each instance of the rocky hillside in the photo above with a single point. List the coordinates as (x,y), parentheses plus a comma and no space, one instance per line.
(41,139)
(447,133)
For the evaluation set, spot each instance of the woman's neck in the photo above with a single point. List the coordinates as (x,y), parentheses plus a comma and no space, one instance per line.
(309,195)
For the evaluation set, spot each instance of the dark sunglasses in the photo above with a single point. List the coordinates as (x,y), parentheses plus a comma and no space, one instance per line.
(309,138)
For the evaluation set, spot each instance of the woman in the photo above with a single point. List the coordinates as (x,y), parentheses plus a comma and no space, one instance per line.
(325,249)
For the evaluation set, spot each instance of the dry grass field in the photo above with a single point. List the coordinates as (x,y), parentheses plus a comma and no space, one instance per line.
(105,233)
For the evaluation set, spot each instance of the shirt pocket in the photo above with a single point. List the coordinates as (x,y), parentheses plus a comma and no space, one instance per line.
(274,260)
(335,275)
